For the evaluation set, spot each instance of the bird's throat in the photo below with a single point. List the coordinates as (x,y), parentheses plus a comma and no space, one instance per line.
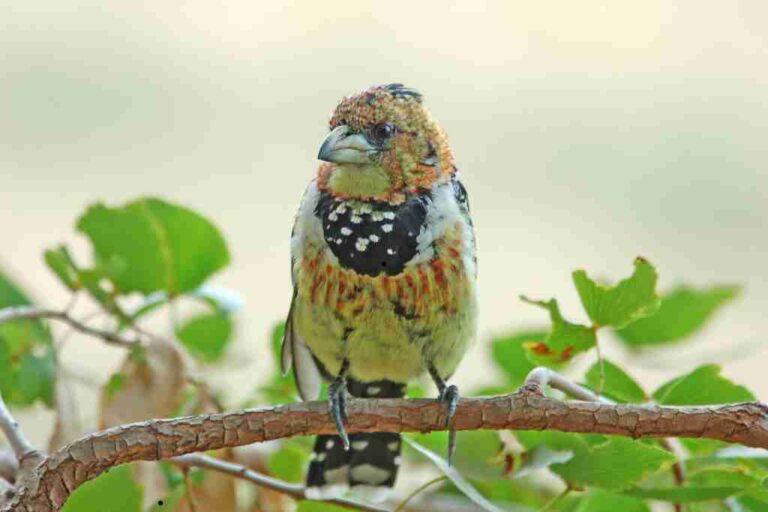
(360,181)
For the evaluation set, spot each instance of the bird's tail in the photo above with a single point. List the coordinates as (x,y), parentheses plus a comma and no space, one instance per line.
(370,466)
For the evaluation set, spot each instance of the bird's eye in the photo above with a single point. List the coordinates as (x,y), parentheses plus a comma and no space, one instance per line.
(382,131)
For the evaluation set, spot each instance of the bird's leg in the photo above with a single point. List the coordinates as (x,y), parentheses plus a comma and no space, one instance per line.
(337,402)
(449,397)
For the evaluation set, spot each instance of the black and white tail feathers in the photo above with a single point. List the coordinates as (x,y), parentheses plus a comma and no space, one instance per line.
(372,460)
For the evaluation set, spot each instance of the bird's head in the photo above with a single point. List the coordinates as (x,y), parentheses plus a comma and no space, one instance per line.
(383,144)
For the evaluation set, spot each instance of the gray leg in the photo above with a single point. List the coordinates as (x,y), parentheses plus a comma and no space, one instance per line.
(337,402)
(449,397)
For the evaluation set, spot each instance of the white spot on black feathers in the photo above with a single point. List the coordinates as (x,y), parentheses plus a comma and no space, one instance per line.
(376,236)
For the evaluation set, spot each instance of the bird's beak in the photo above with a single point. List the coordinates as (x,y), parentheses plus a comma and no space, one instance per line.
(341,146)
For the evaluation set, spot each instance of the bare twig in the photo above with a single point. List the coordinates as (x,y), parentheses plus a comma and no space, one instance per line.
(541,377)
(25,453)
(528,409)
(238,471)
(35,313)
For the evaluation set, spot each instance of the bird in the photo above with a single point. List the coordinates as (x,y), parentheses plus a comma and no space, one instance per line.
(384,270)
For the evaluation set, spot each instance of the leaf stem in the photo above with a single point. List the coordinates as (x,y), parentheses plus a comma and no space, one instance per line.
(554,501)
(418,491)
(34,313)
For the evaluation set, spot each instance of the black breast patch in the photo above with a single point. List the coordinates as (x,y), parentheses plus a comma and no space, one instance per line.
(372,237)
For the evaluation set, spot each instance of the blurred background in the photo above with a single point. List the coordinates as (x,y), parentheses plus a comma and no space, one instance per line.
(587,133)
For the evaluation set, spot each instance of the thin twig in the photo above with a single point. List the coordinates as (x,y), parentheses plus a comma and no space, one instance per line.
(541,377)
(600,360)
(678,471)
(188,489)
(238,471)
(26,454)
(35,313)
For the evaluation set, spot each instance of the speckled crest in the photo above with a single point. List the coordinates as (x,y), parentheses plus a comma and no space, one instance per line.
(417,156)
(393,103)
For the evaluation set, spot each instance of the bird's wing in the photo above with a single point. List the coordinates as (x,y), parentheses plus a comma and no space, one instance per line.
(294,351)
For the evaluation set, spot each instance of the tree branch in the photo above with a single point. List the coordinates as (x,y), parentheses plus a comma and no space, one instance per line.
(62,472)
(25,453)
(34,313)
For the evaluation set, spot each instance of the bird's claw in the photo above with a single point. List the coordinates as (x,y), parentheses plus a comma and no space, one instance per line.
(337,407)
(449,397)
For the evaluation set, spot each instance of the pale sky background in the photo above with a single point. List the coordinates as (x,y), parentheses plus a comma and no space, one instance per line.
(586,132)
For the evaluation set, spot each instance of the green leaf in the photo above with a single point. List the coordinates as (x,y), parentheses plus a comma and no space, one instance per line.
(578,444)
(319,506)
(598,500)
(564,340)
(114,384)
(60,262)
(703,486)
(615,465)
(476,454)
(160,246)
(113,490)
(617,306)
(617,385)
(510,354)
(288,463)
(540,457)
(703,386)
(683,311)
(755,500)
(206,336)
(27,360)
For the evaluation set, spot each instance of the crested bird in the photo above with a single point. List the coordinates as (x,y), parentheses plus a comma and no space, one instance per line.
(384,270)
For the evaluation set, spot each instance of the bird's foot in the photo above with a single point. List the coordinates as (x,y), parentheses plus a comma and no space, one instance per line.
(337,406)
(449,398)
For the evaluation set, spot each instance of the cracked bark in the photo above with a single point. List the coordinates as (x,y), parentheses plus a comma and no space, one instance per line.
(59,474)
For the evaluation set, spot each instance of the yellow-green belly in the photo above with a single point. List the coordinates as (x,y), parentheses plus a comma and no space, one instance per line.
(387,327)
